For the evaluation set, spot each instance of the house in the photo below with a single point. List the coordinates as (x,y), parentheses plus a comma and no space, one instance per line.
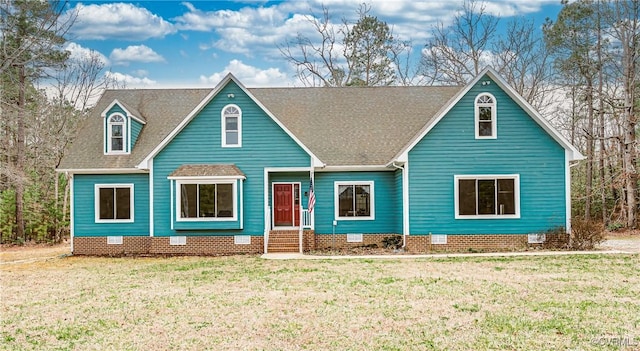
(231,169)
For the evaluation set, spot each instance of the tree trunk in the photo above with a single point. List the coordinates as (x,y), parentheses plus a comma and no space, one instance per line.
(601,121)
(590,147)
(20,160)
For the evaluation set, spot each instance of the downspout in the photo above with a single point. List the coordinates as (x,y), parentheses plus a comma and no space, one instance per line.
(404,236)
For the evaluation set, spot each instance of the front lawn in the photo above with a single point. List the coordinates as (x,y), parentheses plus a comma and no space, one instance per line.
(182,303)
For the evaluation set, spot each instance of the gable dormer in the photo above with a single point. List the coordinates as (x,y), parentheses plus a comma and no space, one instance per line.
(121,127)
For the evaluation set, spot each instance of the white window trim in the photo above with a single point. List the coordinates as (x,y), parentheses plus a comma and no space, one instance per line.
(178,206)
(96,191)
(336,201)
(126,130)
(223,126)
(494,116)
(516,195)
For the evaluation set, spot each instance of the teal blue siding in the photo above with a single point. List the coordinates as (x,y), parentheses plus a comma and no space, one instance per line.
(84,205)
(264,144)
(450,148)
(398,201)
(136,128)
(385,197)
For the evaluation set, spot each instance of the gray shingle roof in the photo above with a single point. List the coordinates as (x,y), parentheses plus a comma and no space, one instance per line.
(162,109)
(342,126)
(217,170)
(355,126)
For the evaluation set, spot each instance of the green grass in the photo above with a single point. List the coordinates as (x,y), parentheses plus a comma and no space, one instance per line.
(192,303)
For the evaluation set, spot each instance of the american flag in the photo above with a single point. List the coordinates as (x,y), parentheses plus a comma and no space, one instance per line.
(312,197)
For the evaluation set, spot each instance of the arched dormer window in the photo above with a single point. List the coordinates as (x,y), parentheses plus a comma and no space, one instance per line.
(485,116)
(231,126)
(116,134)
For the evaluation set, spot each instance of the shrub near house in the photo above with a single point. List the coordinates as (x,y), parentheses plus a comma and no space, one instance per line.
(232,170)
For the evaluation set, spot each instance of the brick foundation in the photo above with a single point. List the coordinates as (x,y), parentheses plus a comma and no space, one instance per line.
(325,241)
(494,242)
(195,245)
(224,245)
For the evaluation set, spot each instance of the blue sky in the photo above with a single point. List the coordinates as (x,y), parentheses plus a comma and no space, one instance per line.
(160,44)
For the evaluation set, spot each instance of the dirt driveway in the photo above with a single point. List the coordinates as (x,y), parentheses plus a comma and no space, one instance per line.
(627,244)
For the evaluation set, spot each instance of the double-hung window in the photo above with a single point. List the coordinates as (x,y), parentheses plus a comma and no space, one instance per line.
(487,196)
(206,200)
(116,134)
(485,116)
(231,126)
(354,200)
(114,203)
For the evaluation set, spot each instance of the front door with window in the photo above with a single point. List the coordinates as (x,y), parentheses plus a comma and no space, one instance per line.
(286,205)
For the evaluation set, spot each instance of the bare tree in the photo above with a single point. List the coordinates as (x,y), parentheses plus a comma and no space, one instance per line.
(346,54)
(457,53)
(523,60)
(573,39)
(625,28)
(316,61)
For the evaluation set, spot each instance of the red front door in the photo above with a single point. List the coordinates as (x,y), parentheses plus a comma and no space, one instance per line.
(286,202)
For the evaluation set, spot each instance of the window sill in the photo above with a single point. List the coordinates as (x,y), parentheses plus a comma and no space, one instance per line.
(114,220)
(486,137)
(516,216)
(355,218)
(209,219)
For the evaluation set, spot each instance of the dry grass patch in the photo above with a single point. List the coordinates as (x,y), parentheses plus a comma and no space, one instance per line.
(249,303)
(11,254)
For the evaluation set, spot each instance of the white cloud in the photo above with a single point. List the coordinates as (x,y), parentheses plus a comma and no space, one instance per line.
(130,81)
(135,53)
(255,31)
(77,53)
(250,76)
(250,31)
(117,21)
(140,72)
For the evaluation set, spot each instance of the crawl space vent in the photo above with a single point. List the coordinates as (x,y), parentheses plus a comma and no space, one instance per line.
(242,239)
(536,238)
(439,239)
(178,240)
(114,240)
(354,238)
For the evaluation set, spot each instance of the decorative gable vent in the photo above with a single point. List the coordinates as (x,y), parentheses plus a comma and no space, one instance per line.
(114,240)
(439,239)
(178,240)
(536,238)
(354,238)
(242,239)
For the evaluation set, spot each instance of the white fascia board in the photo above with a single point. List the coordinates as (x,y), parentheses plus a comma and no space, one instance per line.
(576,155)
(287,169)
(101,170)
(129,114)
(229,77)
(356,168)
